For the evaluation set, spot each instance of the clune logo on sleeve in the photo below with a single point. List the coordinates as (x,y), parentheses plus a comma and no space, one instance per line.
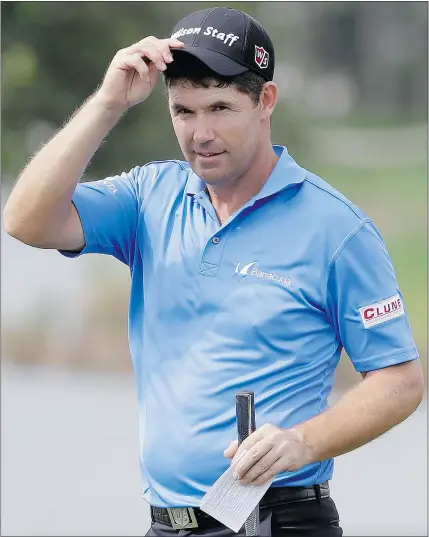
(383,311)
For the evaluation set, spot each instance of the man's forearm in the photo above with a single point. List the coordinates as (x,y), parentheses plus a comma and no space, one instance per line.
(371,408)
(41,197)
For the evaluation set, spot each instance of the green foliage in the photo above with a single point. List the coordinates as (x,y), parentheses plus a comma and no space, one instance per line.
(54,56)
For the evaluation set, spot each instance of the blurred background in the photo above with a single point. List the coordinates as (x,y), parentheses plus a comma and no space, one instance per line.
(353,109)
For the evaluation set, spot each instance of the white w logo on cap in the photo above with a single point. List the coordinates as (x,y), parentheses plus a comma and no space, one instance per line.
(261,57)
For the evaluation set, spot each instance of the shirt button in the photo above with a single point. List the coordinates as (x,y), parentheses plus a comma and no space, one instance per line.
(215,240)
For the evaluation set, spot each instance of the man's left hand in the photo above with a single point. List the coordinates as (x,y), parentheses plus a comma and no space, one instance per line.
(270,451)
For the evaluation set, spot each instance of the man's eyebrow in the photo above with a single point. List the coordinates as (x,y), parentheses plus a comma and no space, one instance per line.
(178,106)
(221,102)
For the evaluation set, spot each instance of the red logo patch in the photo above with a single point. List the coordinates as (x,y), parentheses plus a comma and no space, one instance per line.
(381,312)
(261,57)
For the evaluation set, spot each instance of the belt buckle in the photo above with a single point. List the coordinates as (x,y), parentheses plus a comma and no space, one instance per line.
(182,517)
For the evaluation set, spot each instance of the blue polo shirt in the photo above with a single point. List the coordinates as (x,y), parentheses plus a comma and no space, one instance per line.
(264,302)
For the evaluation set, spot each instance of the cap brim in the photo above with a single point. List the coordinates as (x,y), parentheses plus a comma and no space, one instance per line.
(217,62)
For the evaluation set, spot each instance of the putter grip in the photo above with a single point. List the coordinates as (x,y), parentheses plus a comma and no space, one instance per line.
(245,410)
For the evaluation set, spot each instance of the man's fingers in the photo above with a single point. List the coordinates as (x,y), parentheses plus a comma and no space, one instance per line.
(135,61)
(248,472)
(152,53)
(247,444)
(275,469)
(147,54)
(255,456)
(147,50)
(163,46)
(231,449)
(174,43)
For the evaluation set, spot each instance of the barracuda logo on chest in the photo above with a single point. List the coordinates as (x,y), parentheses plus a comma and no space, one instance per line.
(251,270)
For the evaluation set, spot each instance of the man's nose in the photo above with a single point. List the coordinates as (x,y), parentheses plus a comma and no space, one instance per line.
(203,133)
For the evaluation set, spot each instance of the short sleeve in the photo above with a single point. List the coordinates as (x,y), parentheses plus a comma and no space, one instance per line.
(365,305)
(108,210)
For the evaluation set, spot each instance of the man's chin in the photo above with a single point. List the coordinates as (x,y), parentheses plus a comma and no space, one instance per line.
(209,175)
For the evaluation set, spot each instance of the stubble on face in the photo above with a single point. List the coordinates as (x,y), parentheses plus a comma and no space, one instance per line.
(217,130)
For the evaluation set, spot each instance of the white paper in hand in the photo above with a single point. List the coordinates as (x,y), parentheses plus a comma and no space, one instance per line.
(231,502)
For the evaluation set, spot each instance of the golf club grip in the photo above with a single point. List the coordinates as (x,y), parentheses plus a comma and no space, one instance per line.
(246,424)
(245,409)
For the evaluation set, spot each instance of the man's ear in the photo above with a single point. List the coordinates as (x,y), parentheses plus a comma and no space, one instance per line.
(268,99)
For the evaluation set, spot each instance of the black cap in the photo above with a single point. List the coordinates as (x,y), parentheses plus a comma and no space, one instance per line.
(228,41)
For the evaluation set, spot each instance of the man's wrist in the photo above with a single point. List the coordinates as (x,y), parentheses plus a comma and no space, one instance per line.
(113,110)
(308,450)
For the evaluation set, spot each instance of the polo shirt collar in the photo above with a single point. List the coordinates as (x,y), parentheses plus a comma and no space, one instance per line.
(194,184)
(286,172)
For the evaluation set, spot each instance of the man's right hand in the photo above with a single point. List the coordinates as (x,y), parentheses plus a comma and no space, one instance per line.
(39,210)
(133,72)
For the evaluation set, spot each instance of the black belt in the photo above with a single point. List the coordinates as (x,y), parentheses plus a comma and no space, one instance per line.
(193,517)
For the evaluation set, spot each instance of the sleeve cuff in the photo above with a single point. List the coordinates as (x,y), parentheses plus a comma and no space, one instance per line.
(386,360)
(88,231)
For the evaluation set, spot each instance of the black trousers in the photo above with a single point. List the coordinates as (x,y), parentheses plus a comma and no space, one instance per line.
(299,519)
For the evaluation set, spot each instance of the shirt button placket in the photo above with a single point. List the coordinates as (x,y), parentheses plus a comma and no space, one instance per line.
(211,258)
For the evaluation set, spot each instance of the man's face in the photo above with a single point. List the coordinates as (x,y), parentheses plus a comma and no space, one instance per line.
(218,130)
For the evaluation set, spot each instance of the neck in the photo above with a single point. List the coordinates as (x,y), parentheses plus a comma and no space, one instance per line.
(228,198)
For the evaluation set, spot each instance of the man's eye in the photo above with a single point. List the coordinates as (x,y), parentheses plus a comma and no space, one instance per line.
(220,108)
(184,111)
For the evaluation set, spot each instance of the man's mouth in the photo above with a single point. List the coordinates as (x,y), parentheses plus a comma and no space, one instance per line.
(207,154)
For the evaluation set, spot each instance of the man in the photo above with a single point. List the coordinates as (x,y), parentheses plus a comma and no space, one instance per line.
(248,272)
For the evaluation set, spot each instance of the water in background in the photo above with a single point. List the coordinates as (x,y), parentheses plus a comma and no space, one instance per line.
(70,465)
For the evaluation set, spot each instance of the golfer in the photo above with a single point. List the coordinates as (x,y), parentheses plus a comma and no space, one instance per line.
(248,272)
